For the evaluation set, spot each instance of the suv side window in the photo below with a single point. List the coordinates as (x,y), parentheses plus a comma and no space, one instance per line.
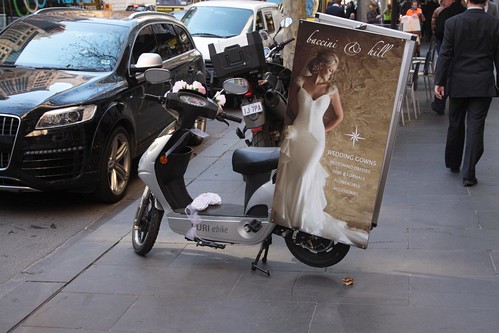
(145,42)
(168,43)
(185,43)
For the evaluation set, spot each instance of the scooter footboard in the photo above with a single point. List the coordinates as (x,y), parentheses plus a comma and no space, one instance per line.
(223,228)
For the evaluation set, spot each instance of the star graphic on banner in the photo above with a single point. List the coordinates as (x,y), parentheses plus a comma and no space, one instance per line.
(355,136)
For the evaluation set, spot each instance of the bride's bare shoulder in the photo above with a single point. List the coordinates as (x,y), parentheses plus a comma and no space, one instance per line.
(332,89)
(300,80)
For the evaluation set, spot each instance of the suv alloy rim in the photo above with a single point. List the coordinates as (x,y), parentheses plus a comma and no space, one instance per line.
(118,170)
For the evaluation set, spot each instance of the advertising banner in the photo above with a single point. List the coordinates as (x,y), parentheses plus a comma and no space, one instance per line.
(343,106)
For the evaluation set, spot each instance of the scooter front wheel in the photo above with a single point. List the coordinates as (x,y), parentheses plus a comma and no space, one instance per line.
(316,251)
(146,224)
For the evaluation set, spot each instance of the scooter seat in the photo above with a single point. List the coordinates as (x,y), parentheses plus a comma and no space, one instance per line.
(255,160)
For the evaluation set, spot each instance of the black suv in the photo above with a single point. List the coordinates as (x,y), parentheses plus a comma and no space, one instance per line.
(72,113)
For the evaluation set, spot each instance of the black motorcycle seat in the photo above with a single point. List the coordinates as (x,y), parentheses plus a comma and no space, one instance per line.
(255,160)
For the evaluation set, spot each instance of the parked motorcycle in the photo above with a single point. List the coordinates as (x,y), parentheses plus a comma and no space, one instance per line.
(162,168)
(264,105)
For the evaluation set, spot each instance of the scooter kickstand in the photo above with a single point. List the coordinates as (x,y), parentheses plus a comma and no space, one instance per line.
(264,248)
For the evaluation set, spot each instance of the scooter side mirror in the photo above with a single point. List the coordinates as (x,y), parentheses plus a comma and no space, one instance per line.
(236,86)
(286,22)
(157,75)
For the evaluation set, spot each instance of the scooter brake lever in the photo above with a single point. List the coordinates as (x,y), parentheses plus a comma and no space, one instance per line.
(219,118)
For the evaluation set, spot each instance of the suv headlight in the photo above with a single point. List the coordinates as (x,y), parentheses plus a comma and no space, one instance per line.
(66,117)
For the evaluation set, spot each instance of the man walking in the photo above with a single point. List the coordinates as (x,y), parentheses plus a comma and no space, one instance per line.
(465,71)
(336,9)
(451,8)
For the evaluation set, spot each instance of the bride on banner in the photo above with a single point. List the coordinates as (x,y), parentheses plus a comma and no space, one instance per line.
(299,199)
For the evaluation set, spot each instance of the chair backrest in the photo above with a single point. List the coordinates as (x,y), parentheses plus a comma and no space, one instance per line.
(426,65)
(415,75)
(433,52)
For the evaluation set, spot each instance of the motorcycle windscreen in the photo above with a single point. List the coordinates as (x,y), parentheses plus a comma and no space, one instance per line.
(343,109)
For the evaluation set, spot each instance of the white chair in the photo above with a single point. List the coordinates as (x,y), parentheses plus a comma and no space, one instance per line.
(411,93)
(427,70)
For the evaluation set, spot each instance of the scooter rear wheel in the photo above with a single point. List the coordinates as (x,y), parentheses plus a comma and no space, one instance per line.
(146,224)
(265,138)
(316,251)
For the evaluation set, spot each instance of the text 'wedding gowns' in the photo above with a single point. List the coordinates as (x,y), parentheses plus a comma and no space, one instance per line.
(299,200)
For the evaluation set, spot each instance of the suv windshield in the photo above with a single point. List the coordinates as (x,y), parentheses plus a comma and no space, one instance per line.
(70,45)
(205,21)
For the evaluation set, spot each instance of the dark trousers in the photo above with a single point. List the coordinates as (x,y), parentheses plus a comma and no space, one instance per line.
(466,124)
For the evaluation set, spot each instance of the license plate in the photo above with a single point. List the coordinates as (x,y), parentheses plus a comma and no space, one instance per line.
(252,108)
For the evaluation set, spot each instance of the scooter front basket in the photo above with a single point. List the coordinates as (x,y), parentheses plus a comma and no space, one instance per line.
(175,166)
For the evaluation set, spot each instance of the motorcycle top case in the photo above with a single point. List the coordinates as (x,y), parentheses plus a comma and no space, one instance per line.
(236,55)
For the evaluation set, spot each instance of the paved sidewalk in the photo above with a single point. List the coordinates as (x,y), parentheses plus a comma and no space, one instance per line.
(431,265)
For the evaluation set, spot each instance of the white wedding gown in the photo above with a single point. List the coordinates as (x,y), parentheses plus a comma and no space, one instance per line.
(299,199)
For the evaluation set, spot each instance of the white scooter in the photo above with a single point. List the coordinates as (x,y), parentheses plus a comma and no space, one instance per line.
(162,168)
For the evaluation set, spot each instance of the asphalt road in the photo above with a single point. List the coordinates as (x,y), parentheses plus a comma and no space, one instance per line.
(32,225)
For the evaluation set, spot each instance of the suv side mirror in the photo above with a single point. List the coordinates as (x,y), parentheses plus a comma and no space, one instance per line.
(147,61)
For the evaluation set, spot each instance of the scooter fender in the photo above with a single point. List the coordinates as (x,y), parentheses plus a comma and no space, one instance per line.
(255,120)
(146,168)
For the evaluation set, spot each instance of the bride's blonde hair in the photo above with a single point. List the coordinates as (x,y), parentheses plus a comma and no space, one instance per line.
(324,57)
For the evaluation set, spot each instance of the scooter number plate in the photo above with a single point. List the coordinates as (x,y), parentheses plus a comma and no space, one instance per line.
(252,108)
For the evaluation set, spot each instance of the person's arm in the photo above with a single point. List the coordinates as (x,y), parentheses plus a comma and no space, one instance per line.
(422,18)
(338,111)
(434,18)
(369,17)
(444,61)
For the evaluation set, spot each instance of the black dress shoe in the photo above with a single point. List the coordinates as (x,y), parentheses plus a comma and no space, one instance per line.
(469,182)
(454,170)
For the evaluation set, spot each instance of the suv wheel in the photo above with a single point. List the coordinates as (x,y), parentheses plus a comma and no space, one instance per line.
(115,167)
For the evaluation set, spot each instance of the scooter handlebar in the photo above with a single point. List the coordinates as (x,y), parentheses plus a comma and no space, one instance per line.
(189,104)
(224,115)
(273,52)
(287,42)
(159,99)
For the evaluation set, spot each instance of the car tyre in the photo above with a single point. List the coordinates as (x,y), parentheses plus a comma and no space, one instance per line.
(115,167)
